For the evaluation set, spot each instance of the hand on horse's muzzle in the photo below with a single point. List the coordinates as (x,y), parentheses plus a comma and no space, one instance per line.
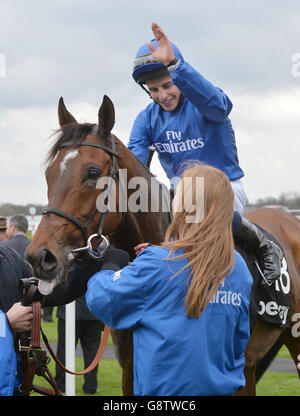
(115,259)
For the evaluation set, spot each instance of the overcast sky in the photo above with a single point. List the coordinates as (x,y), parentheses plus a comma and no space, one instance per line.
(84,49)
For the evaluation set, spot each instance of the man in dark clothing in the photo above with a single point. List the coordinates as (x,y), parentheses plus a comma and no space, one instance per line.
(88,330)
(16,234)
(3,229)
(13,268)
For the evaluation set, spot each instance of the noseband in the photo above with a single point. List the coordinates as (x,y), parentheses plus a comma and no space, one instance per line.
(83,226)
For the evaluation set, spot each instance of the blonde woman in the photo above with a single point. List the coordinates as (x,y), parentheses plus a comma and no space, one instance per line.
(187,301)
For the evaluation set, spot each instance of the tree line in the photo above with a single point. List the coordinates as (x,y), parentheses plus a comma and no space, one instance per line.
(7,209)
(290,200)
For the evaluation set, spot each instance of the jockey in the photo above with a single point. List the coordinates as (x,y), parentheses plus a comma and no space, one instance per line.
(188,120)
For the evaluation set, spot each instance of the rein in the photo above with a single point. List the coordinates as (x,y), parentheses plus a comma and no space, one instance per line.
(34,358)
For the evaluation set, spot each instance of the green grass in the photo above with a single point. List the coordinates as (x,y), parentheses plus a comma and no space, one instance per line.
(50,329)
(284,353)
(278,384)
(109,373)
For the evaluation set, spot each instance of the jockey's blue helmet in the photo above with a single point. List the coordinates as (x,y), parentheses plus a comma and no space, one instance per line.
(145,67)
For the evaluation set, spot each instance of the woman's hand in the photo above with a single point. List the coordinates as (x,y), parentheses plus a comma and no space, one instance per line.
(140,247)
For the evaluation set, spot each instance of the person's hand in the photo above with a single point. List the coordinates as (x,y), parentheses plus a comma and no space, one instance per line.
(164,53)
(140,247)
(20,317)
(298,364)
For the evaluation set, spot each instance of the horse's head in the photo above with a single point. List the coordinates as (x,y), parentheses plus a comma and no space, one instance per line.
(81,155)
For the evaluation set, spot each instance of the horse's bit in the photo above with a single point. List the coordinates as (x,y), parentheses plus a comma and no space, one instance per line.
(83,226)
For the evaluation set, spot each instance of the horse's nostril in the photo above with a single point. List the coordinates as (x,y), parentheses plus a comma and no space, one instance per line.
(47,260)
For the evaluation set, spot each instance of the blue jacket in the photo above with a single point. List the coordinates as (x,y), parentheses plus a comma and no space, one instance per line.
(8,359)
(175,354)
(199,129)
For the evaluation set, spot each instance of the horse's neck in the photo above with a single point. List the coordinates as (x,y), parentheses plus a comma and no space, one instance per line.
(127,160)
(141,226)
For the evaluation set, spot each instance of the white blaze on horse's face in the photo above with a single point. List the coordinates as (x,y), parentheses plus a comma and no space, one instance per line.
(70,155)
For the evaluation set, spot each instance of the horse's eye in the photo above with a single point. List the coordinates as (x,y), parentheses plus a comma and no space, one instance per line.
(93,173)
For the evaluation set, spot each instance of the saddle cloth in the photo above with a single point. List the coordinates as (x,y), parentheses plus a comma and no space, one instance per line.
(270,303)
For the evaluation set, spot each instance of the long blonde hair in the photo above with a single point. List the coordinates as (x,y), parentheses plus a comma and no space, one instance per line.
(208,242)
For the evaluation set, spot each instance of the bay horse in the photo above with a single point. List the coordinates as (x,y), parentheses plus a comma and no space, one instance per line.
(266,339)
(82,154)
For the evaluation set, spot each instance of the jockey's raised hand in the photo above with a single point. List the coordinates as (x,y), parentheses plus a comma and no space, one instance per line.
(164,53)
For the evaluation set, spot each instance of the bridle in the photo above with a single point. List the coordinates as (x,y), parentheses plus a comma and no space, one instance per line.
(112,174)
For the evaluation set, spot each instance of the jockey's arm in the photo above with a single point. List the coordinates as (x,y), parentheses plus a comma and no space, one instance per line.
(211,101)
(140,140)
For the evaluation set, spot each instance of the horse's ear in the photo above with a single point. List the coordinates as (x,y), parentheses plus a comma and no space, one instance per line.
(64,116)
(106,116)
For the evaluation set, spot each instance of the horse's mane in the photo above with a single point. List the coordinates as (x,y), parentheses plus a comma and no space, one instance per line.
(72,135)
